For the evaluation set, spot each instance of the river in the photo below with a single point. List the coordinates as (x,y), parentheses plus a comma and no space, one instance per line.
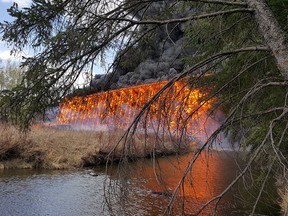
(134,192)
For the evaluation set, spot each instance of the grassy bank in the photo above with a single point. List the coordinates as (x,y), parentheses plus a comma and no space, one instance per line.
(52,148)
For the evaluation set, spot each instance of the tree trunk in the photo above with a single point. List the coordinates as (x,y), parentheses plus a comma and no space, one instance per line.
(273,35)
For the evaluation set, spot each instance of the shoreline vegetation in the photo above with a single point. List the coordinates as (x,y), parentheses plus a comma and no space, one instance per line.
(54,148)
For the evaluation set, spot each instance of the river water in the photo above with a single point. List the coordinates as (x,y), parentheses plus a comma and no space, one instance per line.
(131,189)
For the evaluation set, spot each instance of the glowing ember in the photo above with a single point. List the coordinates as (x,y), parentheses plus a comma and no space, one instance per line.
(118,108)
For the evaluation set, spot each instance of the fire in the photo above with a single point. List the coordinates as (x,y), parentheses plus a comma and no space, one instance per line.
(118,108)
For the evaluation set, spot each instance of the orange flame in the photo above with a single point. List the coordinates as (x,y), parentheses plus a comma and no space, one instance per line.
(118,108)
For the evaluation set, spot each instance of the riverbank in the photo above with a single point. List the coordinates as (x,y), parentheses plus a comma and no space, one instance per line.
(54,148)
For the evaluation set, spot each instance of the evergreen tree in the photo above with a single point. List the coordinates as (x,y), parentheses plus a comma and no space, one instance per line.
(242,43)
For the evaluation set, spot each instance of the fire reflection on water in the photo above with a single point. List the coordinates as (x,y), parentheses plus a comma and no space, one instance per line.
(210,175)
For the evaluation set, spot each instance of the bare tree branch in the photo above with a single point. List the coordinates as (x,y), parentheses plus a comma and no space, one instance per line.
(179,20)
(242,4)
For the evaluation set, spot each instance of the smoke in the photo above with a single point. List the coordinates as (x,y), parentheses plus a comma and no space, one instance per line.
(166,66)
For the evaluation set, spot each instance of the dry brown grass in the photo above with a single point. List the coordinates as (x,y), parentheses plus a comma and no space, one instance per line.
(10,142)
(53,148)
